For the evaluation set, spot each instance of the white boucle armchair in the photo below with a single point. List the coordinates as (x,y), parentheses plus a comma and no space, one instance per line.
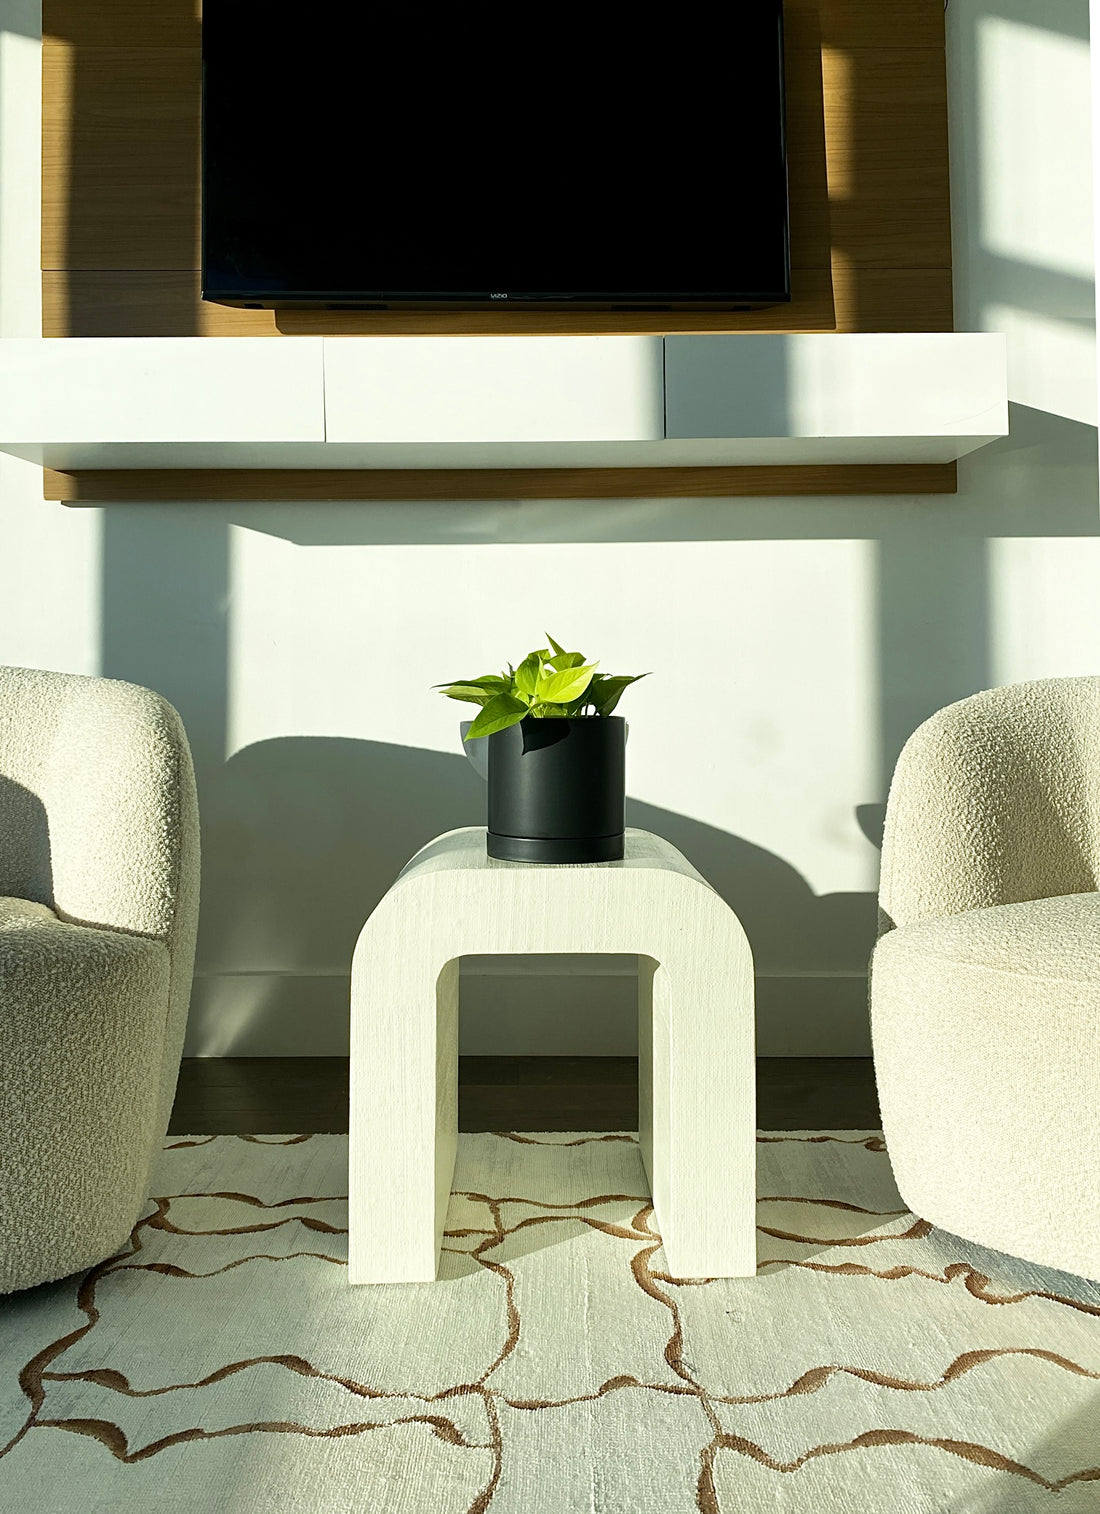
(985,983)
(99,879)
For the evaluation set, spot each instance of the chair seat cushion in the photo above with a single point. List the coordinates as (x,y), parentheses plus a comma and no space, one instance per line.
(32,934)
(986,1031)
(81,1029)
(19,914)
(1053,939)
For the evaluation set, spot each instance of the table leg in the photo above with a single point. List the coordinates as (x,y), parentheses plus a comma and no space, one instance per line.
(697,1098)
(403,1129)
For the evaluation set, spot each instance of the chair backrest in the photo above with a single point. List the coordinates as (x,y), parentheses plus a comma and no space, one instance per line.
(996,800)
(99,818)
(92,799)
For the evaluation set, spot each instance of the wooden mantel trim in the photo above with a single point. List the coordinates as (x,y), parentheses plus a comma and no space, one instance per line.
(117,486)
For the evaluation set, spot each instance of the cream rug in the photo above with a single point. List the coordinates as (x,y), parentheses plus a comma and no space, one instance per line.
(223,1366)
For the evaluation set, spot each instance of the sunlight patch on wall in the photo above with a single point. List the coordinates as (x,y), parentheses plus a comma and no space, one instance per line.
(1051,362)
(1035,129)
(1043,620)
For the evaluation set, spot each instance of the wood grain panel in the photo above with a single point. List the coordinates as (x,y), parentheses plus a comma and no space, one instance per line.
(104,486)
(146,303)
(871,23)
(889,191)
(867,161)
(142,302)
(120,157)
(175,23)
(120,23)
(870,232)
(891,299)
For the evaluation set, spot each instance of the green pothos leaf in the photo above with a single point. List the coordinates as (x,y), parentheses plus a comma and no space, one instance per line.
(604,692)
(564,686)
(501,711)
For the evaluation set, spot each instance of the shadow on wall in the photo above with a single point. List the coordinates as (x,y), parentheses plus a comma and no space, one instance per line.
(26,863)
(301,836)
(306,834)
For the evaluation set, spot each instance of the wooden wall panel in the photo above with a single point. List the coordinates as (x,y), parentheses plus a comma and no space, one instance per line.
(125,23)
(867,140)
(845,298)
(867,127)
(120,133)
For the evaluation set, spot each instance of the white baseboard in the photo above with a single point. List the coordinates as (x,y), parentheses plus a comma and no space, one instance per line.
(544,1007)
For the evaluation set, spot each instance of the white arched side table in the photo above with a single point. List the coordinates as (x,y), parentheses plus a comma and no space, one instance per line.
(697,1102)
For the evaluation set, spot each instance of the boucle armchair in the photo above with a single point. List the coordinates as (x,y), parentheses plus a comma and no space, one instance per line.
(99,876)
(985,983)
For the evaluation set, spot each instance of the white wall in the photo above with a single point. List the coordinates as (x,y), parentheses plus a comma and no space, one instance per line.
(794,644)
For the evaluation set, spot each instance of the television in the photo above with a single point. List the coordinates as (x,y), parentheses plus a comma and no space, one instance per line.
(371,157)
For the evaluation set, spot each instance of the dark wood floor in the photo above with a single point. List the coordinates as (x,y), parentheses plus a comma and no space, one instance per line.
(265,1095)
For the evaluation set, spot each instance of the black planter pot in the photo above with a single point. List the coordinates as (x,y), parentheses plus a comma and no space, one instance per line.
(557,790)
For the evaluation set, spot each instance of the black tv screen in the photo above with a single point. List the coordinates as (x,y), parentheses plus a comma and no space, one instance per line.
(410,156)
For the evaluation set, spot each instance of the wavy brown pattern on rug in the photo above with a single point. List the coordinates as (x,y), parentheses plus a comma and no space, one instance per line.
(674,1356)
(31,1376)
(279,1140)
(34,1375)
(917,1231)
(511,1338)
(975,1282)
(110,1378)
(810,1382)
(257,1203)
(118,1382)
(612,1385)
(816,1379)
(114,1438)
(485,1497)
(173,1269)
(968,1450)
(639,1231)
(871,1142)
(591,1203)
(320,1227)
(526,1140)
(706,1496)
(112,1435)
(501,1232)
(162,1221)
(794,1198)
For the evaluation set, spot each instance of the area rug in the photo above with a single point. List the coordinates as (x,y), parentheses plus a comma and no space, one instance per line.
(222,1365)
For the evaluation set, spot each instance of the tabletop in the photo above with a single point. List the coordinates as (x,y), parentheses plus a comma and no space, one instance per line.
(464,851)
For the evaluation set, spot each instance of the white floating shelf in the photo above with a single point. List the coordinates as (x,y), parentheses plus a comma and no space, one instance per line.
(500,402)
